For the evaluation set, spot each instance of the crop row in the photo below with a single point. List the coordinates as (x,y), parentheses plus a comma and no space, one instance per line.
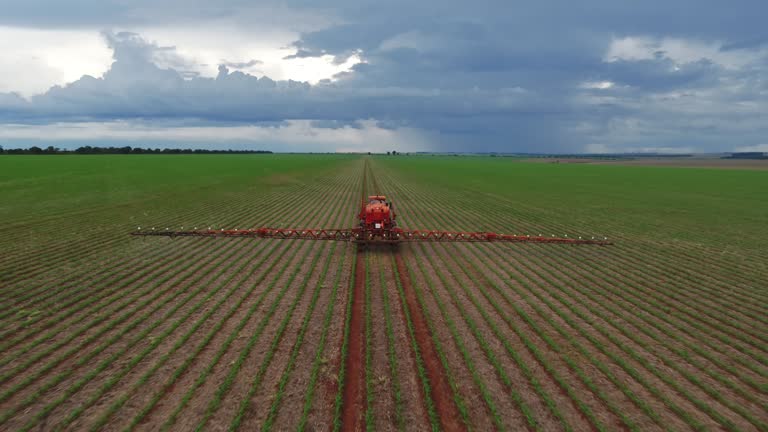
(528,219)
(267,207)
(86,235)
(94,220)
(392,348)
(204,212)
(85,239)
(629,262)
(220,393)
(660,301)
(91,298)
(420,367)
(689,377)
(157,340)
(368,325)
(520,217)
(562,383)
(424,200)
(616,293)
(276,272)
(218,325)
(100,288)
(175,300)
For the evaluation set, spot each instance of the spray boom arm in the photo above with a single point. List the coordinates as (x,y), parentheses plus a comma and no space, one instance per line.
(395,235)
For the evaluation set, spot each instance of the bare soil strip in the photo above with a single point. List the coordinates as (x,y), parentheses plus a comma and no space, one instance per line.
(440,388)
(354,394)
(413,411)
(353,411)
(465,361)
(381,379)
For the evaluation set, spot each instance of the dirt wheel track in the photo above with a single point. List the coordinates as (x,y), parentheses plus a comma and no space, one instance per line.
(440,388)
(353,411)
(354,393)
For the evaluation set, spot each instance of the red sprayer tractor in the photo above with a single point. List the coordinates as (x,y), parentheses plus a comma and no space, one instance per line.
(378,224)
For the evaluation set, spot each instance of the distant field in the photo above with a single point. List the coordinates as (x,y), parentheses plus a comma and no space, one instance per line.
(679,162)
(665,330)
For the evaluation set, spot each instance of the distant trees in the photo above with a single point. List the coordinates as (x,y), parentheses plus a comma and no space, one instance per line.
(747,155)
(33,150)
(124,150)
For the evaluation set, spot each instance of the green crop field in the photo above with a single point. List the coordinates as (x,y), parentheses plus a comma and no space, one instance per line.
(710,207)
(667,329)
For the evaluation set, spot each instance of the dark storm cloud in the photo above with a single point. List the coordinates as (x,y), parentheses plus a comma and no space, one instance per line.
(756,42)
(661,74)
(135,87)
(490,75)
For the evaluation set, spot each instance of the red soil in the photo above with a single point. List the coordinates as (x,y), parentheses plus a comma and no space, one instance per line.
(441,389)
(353,411)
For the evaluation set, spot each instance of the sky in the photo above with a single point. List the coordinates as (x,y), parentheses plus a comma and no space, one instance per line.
(594,76)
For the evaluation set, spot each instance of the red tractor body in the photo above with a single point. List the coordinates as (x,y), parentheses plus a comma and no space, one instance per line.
(377,225)
(377,217)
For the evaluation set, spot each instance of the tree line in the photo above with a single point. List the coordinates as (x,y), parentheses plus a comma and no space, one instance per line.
(34,150)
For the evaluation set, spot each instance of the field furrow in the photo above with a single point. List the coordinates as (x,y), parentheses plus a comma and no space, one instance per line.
(666,329)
